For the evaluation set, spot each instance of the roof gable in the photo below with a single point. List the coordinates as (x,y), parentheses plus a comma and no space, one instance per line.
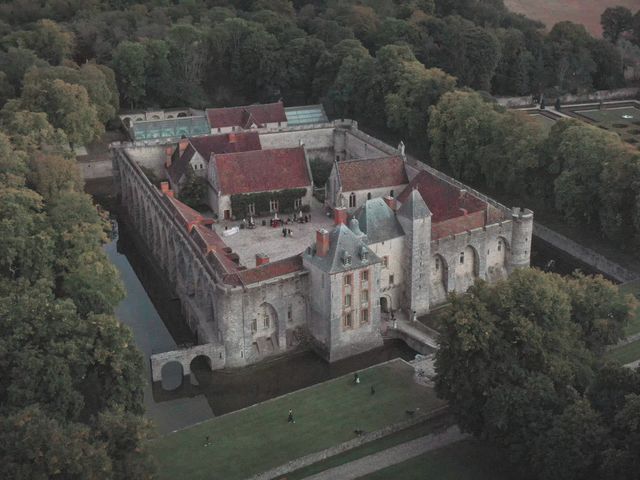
(444,200)
(260,114)
(344,241)
(414,207)
(261,170)
(368,173)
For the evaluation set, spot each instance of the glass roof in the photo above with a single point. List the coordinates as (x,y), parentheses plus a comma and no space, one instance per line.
(187,126)
(305,115)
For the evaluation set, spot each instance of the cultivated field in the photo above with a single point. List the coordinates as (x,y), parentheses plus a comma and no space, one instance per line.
(586,12)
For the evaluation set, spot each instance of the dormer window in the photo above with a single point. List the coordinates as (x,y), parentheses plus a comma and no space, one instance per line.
(364,253)
(346,258)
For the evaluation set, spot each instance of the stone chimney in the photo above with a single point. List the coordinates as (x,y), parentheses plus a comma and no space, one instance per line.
(183,145)
(164,188)
(391,202)
(340,215)
(261,259)
(168,156)
(322,242)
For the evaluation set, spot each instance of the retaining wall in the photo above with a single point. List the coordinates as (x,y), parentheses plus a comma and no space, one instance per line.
(584,254)
(605,95)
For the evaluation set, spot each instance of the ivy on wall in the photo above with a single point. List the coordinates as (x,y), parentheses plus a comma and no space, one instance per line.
(286,198)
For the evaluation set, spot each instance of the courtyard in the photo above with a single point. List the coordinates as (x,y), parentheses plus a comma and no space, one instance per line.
(268,240)
(621,118)
(259,438)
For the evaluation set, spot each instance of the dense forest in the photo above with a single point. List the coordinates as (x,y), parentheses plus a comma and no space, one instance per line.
(71,389)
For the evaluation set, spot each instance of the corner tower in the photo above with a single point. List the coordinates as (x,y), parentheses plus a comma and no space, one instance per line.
(415,218)
(522,232)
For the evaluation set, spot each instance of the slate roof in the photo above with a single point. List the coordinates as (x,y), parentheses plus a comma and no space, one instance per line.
(343,240)
(367,173)
(414,206)
(243,117)
(212,144)
(445,200)
(261,170)
(378,221)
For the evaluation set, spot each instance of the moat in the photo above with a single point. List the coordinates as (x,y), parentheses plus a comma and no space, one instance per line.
(158,326)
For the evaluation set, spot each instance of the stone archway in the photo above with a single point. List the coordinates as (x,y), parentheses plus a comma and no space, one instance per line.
(497,259)
(467,268)
(172,375)
(439,279)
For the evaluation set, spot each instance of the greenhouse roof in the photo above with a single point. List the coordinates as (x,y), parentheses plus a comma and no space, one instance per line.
(305,115)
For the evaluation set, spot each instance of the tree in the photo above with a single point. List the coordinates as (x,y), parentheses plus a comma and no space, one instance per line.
(418,89)
(15,62)
(583,151)
(193,190)
(34,446)
(52,175)
(615,21)
(129,63)
(320,171)
(31,131)
(67,107)
(621,462)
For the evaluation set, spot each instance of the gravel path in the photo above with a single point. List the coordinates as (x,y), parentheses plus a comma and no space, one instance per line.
(391,456)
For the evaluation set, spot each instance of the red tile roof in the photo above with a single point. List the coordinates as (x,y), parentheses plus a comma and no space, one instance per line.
(369,173)
(211,243)
(271,270)
(212,144)
(260,114)
(443,199)
(187,215)
(261,170)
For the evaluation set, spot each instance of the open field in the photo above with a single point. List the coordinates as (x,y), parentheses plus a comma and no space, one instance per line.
(586,12)
(466,460)
(259,438)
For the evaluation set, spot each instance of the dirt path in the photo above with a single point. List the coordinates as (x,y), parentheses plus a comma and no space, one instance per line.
(392,456)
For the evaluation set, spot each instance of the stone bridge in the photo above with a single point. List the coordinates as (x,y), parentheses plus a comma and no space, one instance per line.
(213,353)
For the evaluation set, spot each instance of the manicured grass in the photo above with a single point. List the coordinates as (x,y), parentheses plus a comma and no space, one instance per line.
(465,460)
(611,119)
(627,353)
(543,120)
(411,433)
(260,438)
(633,326)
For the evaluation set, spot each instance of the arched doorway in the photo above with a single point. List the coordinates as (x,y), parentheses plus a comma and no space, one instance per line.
(466,269)
(439,279)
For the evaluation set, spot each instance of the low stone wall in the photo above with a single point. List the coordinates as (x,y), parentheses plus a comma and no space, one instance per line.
(604,95)
(584,254)
(345,446)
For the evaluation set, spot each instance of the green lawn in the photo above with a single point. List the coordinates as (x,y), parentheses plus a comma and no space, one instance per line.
(465,460)
(626,354)
(259,438)
(430,426)
(634,325)
(543,120)
(612,119)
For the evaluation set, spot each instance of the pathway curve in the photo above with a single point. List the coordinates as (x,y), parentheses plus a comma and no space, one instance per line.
(392,456)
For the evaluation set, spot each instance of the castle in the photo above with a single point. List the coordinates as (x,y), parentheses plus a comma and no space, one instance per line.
(389,237)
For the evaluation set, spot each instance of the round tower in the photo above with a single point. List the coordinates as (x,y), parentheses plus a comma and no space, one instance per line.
(521,234)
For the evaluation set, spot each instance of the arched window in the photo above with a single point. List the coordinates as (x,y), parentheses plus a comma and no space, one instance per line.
(499,244)
(352,200)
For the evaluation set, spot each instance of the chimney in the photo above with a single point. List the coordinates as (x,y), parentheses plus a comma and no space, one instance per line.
(164,188)
(391,202)
(168,156)
(232,138)
(261,259)
(340,215)
(322,242)
(183,145)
